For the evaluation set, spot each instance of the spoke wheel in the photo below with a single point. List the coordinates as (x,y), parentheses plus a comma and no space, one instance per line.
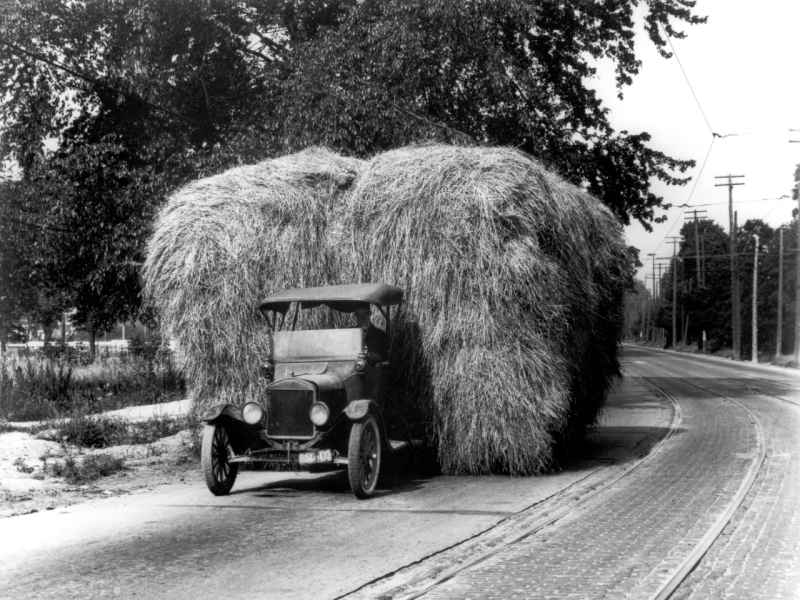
(364,457)
(218,472)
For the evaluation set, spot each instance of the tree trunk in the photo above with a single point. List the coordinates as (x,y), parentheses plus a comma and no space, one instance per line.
(92,342)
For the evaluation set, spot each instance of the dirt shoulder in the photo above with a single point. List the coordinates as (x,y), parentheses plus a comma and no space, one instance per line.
(28,485)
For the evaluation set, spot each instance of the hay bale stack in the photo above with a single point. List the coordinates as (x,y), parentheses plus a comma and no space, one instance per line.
(514,282)
(223,243)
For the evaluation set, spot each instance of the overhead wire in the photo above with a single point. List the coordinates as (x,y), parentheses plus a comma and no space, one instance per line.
(689,83)
(714,136)
(769,212)
(784,197)
(686,205)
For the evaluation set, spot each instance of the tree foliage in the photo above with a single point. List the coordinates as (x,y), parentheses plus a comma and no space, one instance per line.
(483,72)
(708,305)
(109,105)
(134,105)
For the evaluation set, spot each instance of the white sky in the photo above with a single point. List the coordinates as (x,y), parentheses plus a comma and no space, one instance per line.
(744,66)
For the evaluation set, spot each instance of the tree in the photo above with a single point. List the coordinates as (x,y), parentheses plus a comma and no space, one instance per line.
(508,73)
(707,306)
(137,106)
(12,286)
(767,284)
(635,303)
(139,96)
(770,264)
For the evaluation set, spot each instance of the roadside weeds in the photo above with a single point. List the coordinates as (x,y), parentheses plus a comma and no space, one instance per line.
(60,463)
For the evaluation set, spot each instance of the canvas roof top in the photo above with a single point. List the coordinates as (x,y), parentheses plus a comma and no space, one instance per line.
(339,297)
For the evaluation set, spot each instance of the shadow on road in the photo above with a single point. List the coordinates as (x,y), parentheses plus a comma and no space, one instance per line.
(400,473)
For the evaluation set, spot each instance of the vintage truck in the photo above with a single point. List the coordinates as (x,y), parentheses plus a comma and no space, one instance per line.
(324,402)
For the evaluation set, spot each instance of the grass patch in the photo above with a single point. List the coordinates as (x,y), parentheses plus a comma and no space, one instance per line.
(22,467)
(101,431)
(90,468)
(33,389)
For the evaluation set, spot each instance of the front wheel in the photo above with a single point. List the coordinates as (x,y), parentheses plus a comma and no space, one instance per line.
(218,471)
(364,457)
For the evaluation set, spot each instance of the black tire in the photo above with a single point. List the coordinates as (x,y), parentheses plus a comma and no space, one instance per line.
(219,474)
(364,457)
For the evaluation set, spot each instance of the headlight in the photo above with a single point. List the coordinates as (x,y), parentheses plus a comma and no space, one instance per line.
(360,364)
(319,414)
(252,413)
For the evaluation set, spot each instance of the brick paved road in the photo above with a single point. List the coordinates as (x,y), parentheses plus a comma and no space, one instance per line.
(629,540)
(758,555)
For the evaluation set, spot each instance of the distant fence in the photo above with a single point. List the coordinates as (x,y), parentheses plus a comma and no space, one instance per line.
(73,351)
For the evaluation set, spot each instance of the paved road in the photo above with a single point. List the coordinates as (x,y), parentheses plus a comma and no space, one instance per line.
(616,523)
(630,541)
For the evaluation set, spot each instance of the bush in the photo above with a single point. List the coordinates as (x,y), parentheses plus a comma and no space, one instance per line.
(100,431)
(41,388)
(148,347)
(34,390)
(92,431)
(92,467)
(77,355)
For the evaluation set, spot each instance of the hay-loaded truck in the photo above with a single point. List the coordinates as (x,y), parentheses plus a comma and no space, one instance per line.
(323,405)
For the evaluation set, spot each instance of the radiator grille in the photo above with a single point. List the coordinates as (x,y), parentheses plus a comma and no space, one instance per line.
(287,413)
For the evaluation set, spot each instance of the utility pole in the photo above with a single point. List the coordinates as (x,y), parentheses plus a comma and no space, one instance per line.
(653,303)
(662,333)
(650,306)
(653,258)
(737,295)
(797,285)
(779,344)
(797,278)
(674,241)
(737,351)
(644,312)
(754,357)
(699,280)
(703,253)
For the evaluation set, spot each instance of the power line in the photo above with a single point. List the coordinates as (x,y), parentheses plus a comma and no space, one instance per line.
(689,83)
(727,255)
(769,212)
(700,174)
(784,197)
(686,205)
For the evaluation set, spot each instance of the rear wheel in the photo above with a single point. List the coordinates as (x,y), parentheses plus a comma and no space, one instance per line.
(364,457)
(218,471)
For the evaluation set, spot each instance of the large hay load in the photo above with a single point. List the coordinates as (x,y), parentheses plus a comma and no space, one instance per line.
(514,282)
(221,244)
(513,278)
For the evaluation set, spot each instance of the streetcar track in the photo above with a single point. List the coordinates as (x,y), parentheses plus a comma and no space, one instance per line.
(737,373)
(704,545)
(761,393)
(734,373)
(440,576)
(693,558)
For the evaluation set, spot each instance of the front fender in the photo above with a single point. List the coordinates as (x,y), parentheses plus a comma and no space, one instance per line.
(215,413)
(358,409)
